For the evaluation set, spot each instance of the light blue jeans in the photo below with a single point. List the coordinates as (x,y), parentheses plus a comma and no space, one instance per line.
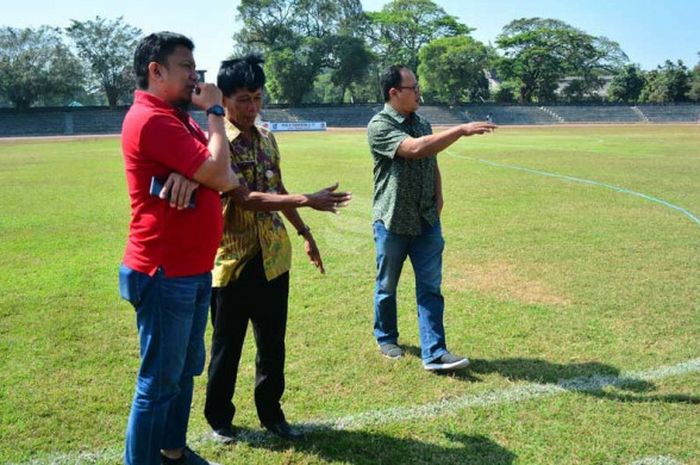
(171,316)
(425,252)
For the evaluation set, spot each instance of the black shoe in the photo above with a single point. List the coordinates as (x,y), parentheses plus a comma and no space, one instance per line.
(224,435)
(285,431)
(189,457)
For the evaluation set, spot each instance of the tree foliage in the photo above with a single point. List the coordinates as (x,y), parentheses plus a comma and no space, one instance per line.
(108,48)
(694,92)
(539,52)
(452,70)
(667,83)
(627,85)
(402,27)
(37,67)
(303,38)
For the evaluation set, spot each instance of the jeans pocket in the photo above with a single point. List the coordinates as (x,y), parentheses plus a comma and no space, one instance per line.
(131,284)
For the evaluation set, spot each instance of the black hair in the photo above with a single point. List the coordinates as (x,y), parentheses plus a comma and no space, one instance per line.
(156,47)
(391,78)
(245,72)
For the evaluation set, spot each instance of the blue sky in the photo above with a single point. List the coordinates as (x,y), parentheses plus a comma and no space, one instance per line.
(648,31)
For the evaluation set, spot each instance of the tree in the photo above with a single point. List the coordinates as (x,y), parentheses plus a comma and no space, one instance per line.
(402,27)
(302,38)
(694,93)
(108,48)
(667,83)
(452,70)
(627,85)
(292,71)
(539,52)
(348,60)
(36,66)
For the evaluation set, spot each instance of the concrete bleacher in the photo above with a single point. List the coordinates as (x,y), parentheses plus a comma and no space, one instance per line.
(596,113)
(509,114)
(97,120)
(671,113)
(443,115)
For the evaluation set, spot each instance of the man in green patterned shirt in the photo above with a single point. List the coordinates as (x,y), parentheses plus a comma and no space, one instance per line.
(407,202)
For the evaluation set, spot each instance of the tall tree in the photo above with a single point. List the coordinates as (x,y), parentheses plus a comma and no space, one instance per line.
(539,52)
(301,38)
(627,85)
(36,66)
(402,27)
(694,93)
(452,70)
(667,83)
(108,48)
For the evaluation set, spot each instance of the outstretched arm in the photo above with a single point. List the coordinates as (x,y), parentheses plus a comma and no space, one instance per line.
(426,146)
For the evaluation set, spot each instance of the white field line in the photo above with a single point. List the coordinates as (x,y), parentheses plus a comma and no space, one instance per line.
(451,406)
(621,190)
(660,460)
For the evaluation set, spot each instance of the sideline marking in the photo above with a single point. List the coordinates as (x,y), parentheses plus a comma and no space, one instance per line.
(621,190)
(660,460)
(451,406)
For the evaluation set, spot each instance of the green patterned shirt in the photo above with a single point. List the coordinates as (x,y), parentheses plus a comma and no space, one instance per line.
(404,190)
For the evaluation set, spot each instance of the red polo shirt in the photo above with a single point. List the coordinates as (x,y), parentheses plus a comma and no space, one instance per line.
(158,139)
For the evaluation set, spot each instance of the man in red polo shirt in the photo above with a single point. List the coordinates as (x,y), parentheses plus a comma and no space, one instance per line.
(165,272)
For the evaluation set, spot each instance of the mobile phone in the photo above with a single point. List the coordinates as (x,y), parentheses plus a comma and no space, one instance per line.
(157,186)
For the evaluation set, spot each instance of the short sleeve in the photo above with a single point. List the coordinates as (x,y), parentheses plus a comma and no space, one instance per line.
(385,137)
(168,141)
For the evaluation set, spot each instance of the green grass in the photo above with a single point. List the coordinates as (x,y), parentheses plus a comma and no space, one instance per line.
(545,279)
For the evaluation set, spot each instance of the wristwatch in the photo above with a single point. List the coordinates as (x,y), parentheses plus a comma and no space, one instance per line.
(217,110)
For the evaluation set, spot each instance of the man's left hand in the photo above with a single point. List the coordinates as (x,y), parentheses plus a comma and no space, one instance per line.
(181,190)
(313,253)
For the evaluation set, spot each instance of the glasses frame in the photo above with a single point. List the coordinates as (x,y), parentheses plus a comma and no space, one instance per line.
(414,88)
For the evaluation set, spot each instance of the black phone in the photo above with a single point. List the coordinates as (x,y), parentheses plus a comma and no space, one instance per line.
(157,186)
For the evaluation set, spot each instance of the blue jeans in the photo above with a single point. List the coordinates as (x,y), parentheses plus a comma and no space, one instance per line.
(171,316)
(425,252)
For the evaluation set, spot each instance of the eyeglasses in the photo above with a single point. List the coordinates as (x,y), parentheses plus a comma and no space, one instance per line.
(414,87)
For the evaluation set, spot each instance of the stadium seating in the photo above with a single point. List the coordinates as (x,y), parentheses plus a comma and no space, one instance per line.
(671,113)
(596,113)
(98,120)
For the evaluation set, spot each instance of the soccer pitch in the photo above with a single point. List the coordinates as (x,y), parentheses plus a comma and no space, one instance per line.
(571,279)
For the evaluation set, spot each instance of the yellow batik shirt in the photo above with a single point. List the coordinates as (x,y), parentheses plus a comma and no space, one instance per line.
(246,232)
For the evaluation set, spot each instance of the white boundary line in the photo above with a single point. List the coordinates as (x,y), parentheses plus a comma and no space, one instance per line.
(621,190)
(524,392)
(660,460)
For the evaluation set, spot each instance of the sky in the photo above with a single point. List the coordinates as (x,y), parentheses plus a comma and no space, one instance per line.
(648,31)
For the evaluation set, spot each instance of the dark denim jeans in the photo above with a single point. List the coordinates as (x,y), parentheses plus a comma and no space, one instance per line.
(425,252)
(171,316)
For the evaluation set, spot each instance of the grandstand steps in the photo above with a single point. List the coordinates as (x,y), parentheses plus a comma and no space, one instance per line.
(553,114)
(641,114)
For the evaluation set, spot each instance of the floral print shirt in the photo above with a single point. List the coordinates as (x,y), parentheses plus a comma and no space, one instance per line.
(248,232)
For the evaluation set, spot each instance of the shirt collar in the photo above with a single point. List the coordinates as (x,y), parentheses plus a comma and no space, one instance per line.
(389,110)
(232,132)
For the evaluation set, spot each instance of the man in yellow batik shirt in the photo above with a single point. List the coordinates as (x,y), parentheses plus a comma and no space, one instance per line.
(251,274)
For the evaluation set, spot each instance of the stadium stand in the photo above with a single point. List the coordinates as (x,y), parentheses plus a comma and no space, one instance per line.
(596,113)
(98,120)
(671,113)
(510,114)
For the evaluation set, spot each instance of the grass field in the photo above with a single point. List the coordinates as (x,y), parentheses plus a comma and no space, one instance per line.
(577,304)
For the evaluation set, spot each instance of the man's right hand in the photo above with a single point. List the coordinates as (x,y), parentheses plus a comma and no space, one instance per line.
(477,127)
(328,199)
(206,95)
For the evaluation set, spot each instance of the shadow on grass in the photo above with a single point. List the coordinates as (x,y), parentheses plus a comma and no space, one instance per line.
(591,378)
(365,448)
